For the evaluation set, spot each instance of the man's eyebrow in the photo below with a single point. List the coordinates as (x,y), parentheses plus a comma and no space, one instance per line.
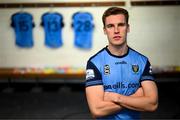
(112,24)
(109,25)
(123,23)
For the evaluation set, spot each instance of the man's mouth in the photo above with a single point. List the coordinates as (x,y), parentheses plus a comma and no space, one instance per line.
(116,37)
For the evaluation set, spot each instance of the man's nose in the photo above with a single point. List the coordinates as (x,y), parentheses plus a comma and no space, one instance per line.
(116,29)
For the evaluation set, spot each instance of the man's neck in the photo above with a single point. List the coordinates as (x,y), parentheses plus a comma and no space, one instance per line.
(118,50)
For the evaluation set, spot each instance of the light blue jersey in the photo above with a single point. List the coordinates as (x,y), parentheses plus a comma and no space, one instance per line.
(83,29)
(53,24)
(23,24)
(119,74)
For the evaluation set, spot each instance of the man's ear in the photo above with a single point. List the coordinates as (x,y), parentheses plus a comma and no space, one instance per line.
(128,29)
(104,29)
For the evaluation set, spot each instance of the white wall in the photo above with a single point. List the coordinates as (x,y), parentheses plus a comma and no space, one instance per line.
(155,31)
(40,55)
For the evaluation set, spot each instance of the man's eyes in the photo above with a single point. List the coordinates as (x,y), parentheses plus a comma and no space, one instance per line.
(119,25)
(109,26)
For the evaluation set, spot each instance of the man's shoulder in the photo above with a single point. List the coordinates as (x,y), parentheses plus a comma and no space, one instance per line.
(138,54)
(97,55)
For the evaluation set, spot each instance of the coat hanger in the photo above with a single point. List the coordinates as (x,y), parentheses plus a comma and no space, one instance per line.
(51,8)
(21,8)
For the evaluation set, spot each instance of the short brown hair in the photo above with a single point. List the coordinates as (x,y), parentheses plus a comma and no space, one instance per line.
(115,11)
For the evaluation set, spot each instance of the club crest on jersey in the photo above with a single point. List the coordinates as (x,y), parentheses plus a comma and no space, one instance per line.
(135,68)
(106,69)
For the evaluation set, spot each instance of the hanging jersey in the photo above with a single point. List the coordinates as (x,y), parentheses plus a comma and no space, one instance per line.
(119,74)
(53,24)
(83,29)
(22,22)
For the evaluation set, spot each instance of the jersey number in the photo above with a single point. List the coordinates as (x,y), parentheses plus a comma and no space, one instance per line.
(83,26)
(23,26)
(52,26)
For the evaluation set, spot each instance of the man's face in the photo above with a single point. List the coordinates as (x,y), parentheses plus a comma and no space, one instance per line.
(116,29)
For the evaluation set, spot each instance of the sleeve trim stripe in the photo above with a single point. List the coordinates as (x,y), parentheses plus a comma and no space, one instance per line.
(147,77)
(97,82)
(93,85)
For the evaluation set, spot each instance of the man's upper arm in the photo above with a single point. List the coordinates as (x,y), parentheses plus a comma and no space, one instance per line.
(149,85)
(148,82)
(95,93)
(150,90)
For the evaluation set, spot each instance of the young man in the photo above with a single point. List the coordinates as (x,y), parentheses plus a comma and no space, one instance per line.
(119,80)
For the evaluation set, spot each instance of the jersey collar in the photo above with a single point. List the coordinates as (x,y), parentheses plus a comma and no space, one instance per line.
(116,55)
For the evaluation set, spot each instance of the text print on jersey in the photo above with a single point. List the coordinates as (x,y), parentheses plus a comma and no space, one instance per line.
(121,85)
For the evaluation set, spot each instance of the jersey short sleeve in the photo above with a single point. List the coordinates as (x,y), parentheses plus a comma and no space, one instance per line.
(147,73)
(93,76)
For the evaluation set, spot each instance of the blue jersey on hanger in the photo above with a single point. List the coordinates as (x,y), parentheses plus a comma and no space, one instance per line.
(53,24)
(22,22)
(119,74)
(83,29)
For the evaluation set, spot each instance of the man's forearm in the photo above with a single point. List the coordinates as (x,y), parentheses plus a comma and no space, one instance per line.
(99,107)
(130,102)
(143,103)
(105,108)
(147,102)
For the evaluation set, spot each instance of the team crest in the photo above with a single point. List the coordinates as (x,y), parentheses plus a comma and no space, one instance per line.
(106,69)
(135,68)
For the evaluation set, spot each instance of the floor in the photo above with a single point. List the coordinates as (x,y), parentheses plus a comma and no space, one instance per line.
(67,101)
